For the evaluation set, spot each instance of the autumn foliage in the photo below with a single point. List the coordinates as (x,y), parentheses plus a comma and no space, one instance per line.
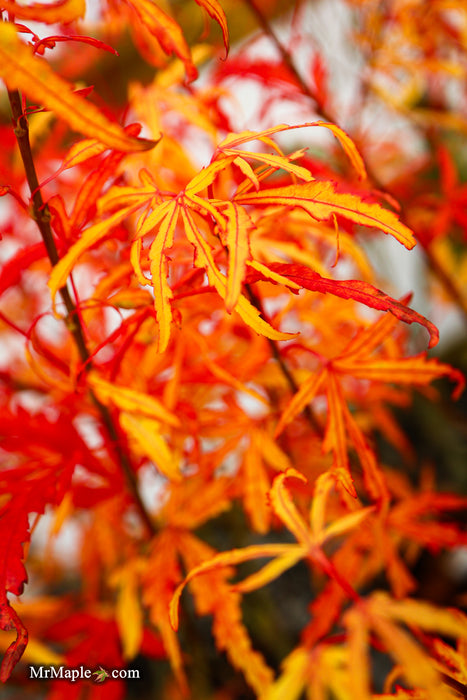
(207,466)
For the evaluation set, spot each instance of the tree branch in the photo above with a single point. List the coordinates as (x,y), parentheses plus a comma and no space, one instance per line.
(41,215)
(440,273)
(308,411)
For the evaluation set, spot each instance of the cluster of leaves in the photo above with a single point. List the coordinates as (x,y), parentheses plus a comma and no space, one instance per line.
(199,365)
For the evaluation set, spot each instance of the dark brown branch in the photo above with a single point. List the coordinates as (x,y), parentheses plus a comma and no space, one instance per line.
(41,215)
(308,411)
(460,688)
(287,58)
(447,282)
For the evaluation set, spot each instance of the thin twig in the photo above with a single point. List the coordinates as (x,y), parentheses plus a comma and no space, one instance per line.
(446,282)
(460,688)
(287,58)
(308,411)
(41,215)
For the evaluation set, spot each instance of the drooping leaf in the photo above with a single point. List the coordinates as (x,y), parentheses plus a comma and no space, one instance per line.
(285,508)
(348,146)
(214,596)
(227,147)
(321,200)
(323,486)
(215,11)
(166,31)
(374,478)
(22,70)
(159,579)
(9,620)
(357,290)
(256,487)
(234,140)
(50,41)
(61,12)
(41,480)
(418,370)
(223,559)
(335,439)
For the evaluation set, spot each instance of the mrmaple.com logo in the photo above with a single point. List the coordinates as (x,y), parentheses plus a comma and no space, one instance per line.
(81,673)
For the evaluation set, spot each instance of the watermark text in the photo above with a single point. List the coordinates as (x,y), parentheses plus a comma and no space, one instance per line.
(82,673)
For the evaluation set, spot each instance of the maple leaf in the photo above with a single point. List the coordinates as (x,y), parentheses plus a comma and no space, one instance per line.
(356,360)
(232,141)
(233,223)
(214,10)
(101,675)
(214,596)
(357,290)
(384,615)
(322,671)
(50,42)
(169,34)
(310,540)
(320,200)
(20,69)
(128,609)
(166,31)
(14,532)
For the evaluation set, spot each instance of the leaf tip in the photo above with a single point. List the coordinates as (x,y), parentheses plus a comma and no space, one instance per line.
(458,377)
(173,607)
(147,144)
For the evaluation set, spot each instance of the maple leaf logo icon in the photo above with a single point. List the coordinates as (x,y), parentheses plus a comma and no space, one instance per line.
(101,675)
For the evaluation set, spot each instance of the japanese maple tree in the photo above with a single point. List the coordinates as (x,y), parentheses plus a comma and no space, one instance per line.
(206,383)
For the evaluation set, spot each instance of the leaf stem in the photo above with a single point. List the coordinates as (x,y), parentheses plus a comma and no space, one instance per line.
(41,215)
